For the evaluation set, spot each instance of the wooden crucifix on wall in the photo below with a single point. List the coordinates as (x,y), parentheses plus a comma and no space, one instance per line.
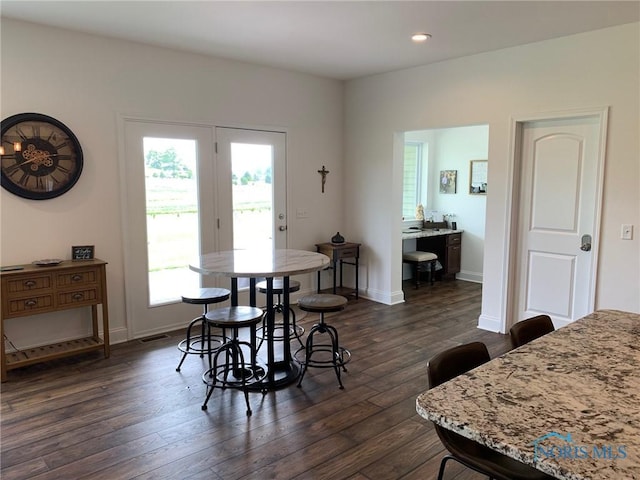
(323,172)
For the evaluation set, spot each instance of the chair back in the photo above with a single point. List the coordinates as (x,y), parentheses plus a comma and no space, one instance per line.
(455,361)
(526,330)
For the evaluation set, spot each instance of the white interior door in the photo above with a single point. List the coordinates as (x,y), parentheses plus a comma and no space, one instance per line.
(559,211)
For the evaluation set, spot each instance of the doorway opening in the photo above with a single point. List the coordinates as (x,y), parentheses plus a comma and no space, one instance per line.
(434,156)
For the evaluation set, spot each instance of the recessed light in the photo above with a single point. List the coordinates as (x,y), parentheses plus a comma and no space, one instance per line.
(420,37)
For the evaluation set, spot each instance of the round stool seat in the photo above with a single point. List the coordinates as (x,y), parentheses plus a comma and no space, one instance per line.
(419,256)
(205,341)
(322,302)
(318,354)
(295,331)
(230,317)
(278,286)
(206,296)
(229,367)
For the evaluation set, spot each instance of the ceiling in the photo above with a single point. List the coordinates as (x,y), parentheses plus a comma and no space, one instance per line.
(336,39)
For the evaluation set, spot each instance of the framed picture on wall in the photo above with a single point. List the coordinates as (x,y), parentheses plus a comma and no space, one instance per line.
(448,179)
(478,177)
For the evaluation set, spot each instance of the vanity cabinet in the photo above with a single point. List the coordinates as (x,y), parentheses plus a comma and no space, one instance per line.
(447,247)
(34,290)
(452,256)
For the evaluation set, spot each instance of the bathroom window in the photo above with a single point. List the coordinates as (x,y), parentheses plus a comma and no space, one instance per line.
(414,188)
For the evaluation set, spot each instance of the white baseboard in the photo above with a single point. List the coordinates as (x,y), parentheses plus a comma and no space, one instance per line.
(387,298)
(119,335)
(474,277)
(491,324)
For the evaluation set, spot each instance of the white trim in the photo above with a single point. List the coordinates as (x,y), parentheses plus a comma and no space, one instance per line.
(383,297)
(492,324)
(466,276)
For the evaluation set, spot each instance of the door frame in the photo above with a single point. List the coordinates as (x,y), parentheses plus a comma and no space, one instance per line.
(510,283)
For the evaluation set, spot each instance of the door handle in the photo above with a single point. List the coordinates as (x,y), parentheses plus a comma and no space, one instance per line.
(282,228)
(585,243)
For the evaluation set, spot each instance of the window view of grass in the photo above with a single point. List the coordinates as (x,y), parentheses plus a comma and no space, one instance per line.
(172,216)
(173,232)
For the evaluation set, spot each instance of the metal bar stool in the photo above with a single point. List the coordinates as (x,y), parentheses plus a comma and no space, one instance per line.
(295,331)
(322,355)
(196,344)
(234,370)
(420,262)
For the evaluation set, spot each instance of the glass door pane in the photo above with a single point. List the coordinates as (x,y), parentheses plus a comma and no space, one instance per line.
(173,232)
(252,192)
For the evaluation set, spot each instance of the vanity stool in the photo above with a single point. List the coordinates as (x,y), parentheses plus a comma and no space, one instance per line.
(322,355)
(420,261)
(196,343)
(294,330)
(234,369)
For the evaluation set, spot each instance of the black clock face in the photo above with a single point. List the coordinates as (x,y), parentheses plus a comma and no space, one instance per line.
(41,157)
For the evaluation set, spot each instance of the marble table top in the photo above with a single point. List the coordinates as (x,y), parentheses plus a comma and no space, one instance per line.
(567,403)
(259,263)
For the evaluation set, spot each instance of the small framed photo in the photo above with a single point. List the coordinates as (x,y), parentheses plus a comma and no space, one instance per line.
(448,181)
(82,252)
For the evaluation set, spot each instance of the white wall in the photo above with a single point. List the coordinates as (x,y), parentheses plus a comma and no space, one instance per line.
(594,69)
(454,149)
(87,81)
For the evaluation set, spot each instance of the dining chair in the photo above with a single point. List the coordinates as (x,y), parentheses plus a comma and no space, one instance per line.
(446,366)
(529,329)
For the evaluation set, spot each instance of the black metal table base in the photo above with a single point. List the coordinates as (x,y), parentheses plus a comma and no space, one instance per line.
(281,375)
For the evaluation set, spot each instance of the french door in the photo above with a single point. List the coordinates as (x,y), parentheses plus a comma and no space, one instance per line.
(182,199)
(251,180)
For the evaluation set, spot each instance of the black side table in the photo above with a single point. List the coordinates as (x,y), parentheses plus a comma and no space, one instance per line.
(338,252)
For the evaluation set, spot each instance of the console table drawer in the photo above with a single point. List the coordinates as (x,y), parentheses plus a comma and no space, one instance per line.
(22,286)
(346,253)
(78,297)
(29,305)
(80,277)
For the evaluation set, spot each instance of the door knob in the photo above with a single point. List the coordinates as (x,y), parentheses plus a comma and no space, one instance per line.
(282,228)
(585,243)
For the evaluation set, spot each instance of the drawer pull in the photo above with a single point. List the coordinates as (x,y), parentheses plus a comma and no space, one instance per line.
(77,296)
(29,283)
(30,303)
(77,277)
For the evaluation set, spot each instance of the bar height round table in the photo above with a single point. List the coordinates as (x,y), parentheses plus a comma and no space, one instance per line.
(258,264)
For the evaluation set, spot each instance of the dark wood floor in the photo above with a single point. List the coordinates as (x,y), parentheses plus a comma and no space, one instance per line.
(134,416)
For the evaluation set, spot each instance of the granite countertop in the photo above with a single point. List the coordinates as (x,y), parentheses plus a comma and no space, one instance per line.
(430,232)
(567,403)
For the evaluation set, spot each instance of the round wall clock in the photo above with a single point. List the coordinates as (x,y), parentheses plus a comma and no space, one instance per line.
(41,157)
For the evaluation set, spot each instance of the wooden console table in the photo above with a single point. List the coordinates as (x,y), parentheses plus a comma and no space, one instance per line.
(44,289)
(338,252)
